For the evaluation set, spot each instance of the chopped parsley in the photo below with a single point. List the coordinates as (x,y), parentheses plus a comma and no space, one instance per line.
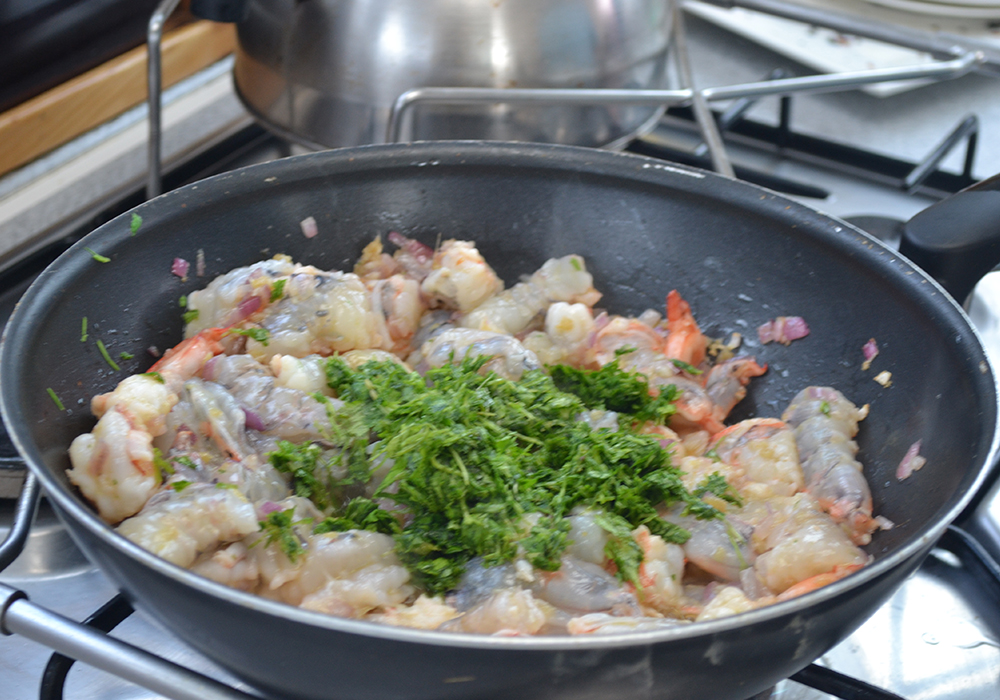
(97,256)
(486,467)
(686,367)
(55,399)
(83,330)
(107,358)
(717,485)
(279,528)
(135,224)
(180,485)
(183,301)
(189,316)
(125,355)
(277,290)
(156,376)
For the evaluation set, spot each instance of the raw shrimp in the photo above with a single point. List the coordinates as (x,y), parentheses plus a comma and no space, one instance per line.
(795,541)
(720,547)
(660,575)
(510,359)
(233,297)
(581,586)
(426,613)
(459,278)
(824,423)
(342,573)
(568,337)
(397,305)
(764,448)
(510,311)
(728,600)
(229,565)
(726,383)
(113,465)
(507,611)
(275,410)
(178,526)
(602,623)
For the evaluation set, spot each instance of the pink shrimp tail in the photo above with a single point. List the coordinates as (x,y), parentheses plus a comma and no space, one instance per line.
(818,581)
(186,359)
(685,341)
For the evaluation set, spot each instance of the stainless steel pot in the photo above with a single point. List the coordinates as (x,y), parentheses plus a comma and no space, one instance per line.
(325,73)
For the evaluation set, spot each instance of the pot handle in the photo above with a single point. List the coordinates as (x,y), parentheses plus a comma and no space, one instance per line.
(957,240)
(220,10)
(20,616)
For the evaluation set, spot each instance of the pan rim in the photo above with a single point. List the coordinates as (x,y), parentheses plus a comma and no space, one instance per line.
(420,154)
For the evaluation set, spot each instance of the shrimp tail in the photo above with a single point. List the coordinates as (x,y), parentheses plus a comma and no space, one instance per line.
(685,341)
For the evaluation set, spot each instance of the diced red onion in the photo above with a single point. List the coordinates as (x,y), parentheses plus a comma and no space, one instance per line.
(254,422)
(783,329)
(911,462)
(246,308)
(180,267)
(208,371)
(199,265)
(268,507)
(309,228)
(870,350)
(153,350)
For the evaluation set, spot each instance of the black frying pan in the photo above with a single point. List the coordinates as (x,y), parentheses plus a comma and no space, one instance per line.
(741,255)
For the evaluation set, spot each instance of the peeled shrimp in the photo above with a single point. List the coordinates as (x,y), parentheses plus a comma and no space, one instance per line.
(581,586)
(660,574)
(179,526)
(764,448)
(568,336)
(426,613)
(113,465)
(509,312)
(510,358)
(602,623)
(235,296)
(507,611)
(796,541)
(459,277)
(230,565)
(824,423)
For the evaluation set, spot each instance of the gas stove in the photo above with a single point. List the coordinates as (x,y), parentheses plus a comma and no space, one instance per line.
(847,154)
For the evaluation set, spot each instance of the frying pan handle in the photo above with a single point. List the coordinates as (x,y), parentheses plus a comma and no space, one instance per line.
(220,10)
(957,240)
(20,616)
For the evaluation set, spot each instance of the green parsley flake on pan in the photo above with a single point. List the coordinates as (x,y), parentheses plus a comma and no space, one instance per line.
(488,467)
(55,399)
(135,224)
(97,256)
(107,357)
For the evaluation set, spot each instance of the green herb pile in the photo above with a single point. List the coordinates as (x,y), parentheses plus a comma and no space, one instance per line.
(488,467)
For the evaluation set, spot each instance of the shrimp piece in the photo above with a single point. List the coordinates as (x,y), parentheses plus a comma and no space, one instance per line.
(341,573)
(230,566)
(426,613)
(568,336)
(511,311)
(234,297)
(113,465)
(603,624)
(398,305)
(586,538)
(415,258)
(510,358)
(507,611)
(581,586)
(795,541)
(719,547)
(726,383)
(765,449)
(824,423)
(374,264)
(646,344)
(277,411)
(178,526)
(320,312)
(818,581)
(660,574)
(459,278)
(728,600)
(685,341)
